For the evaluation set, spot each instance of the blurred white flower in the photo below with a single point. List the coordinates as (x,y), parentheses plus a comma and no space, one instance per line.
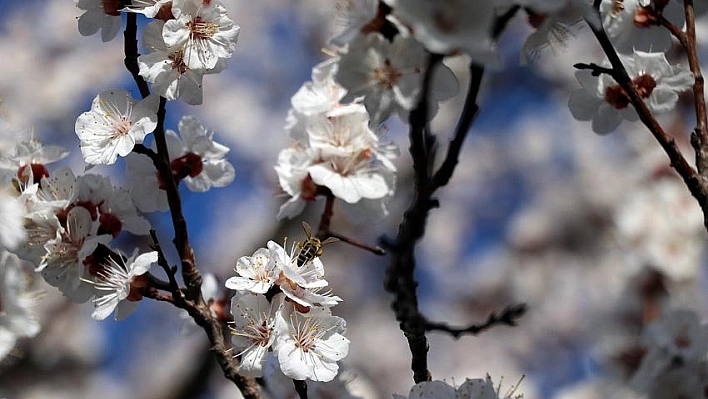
(388,74)
(478,388)
(100,15)
(677,342)
(143,182)
(606,104)
(16,319)
(12,220)
(553,24)
(631,26)
(30,158)
(149,8)
(63,264)
(446,26)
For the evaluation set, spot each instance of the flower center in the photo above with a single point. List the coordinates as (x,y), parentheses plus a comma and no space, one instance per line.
(109,224)
(387,75)
(189,164)
(305,336)
(617,97)
(178,62)
(201,29)
(39,172)
(645,17)
(111,7)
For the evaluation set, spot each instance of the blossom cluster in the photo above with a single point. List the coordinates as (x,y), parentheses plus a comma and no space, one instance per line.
(280,308)
(334,150)
(65,224)
(187,40)
(635,30)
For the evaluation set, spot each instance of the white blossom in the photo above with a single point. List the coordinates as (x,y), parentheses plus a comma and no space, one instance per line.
(389,75)
(100,15)
(115,123)
(445,26)
(253,330)
(257,273)
(606,104)
(166,69)
(202,31)
(677,340)
(63,264)
(309,346)
(631,26)
(118,286)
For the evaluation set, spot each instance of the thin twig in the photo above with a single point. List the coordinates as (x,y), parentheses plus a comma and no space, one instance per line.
(174,287)
(508,317)
(469,111)
(376,250)
(326,219)
(596,70)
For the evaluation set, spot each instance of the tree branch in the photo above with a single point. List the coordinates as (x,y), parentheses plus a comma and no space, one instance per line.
(695,182)
(699,138)
(507,317)
(130,46)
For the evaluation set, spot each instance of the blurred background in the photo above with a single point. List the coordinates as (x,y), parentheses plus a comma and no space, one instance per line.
(589,231)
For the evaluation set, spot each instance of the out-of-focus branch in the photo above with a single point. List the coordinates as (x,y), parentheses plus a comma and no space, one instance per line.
(400,275)
(469,111)
(694,181)
(400,280)
(508,317)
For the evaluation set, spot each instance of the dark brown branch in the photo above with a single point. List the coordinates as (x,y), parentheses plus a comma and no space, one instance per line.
(400,280)
(699,139)
(596,70)
(130,47)
(400,275)
(141,149)
(695,182)
(174,287)
(191,276)
(301,388)
(376,250)
(324,231)
(192,301)
(469,111)
(326,219)
(508,317)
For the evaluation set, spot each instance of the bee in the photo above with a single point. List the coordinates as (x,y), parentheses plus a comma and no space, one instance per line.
(311,247)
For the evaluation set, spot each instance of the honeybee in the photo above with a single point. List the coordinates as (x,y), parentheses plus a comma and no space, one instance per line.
(311,247)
